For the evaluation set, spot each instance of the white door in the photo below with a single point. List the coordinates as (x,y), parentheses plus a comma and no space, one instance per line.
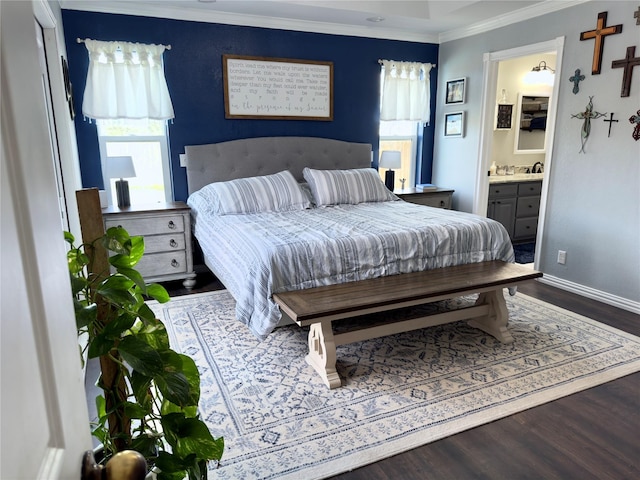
(43,410)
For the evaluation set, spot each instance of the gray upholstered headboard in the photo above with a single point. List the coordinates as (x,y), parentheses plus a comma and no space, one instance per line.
(218,162)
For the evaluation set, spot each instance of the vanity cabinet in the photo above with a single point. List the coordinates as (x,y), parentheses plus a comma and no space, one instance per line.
(527,208)
(503,198)
(516,205)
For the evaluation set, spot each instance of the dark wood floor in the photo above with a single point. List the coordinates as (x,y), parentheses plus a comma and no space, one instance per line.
(594,434)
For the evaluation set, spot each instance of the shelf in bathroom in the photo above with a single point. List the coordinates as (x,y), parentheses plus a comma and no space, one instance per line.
(518,177)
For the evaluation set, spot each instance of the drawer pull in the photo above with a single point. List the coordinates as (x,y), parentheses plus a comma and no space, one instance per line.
(442,203)
(175,263)
(173,243)
(171,225)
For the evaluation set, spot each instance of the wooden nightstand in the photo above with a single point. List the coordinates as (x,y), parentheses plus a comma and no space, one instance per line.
(440,198)
(166,229)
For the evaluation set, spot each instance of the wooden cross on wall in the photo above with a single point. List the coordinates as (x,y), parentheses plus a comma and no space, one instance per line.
(598,34)
(627,63)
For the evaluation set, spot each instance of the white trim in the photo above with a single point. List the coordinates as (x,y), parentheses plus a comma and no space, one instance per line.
(51,465)
(490,78)
(489,82)
(414,152)
(548,158)
(43,14)
(584,291)
(520,15)
(163,140)
(200,15)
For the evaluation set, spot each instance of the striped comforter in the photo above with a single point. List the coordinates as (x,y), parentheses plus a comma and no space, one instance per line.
(256,255)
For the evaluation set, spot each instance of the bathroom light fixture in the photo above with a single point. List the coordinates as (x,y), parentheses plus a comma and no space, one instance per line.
(540,74)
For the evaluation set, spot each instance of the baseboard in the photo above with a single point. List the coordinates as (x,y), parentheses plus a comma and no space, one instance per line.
(609,299)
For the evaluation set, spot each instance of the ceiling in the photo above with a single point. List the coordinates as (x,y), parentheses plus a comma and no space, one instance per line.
(432,21)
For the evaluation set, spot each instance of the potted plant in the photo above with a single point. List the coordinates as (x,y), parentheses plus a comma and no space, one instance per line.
(150,392)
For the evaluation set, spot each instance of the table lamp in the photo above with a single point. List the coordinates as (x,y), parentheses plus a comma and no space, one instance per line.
(390,159)
(121,167)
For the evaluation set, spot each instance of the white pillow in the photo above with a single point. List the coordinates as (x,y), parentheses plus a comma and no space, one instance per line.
(268,193)
(359,185)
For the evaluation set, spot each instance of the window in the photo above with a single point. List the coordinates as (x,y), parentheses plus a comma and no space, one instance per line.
(401,136)
(146,142)
(404,107)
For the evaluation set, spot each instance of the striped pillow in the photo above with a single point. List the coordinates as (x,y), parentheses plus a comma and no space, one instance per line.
(268,193)
(334,187)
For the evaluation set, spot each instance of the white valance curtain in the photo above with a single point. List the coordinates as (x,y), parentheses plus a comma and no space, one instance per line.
(126,80)
(406,91)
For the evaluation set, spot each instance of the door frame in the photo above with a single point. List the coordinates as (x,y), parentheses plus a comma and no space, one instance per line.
(62,123)
(490,84)
(39,338)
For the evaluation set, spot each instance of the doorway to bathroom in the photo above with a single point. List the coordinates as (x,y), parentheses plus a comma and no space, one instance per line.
(517,141)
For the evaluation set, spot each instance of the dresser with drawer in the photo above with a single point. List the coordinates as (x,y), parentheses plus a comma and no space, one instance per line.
(439,198)
(166,229)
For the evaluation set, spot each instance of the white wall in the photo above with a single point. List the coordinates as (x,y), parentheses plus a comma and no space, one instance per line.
(593,209)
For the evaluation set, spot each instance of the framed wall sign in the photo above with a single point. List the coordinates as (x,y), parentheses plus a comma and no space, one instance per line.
(455,93)
(454,124)
(504,114)
(277,88)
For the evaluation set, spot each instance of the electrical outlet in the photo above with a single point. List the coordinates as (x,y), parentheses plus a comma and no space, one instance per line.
(183,160)
(562,257)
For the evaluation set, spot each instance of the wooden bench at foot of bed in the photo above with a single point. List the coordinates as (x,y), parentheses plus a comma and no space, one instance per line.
(319,306)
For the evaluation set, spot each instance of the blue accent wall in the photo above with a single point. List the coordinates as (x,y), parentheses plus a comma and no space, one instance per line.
(193,69)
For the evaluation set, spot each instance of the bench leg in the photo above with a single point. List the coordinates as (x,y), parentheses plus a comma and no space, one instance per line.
(322,353)
(495,323)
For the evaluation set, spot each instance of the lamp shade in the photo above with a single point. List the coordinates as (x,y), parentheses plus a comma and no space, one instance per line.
(391,159)
(120,167)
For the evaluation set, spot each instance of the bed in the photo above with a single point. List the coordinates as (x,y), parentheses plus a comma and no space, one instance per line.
(257,254)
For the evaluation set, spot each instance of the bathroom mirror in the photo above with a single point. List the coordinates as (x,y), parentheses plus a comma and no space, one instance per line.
(531,123)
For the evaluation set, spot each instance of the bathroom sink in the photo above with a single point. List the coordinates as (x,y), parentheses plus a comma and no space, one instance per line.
(518,177)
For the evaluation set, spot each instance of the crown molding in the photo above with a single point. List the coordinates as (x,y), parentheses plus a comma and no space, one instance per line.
(537,10)
(200,15)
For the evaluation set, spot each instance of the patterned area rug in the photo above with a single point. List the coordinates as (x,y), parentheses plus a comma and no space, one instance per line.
(399,392)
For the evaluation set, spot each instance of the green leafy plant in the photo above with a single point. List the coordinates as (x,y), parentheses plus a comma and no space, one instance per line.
(150,392)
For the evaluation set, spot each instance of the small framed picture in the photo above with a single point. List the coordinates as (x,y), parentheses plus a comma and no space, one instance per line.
(456,91)
(504,112)
(454,124)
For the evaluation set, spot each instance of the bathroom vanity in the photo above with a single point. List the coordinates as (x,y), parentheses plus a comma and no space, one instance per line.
(514,201)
